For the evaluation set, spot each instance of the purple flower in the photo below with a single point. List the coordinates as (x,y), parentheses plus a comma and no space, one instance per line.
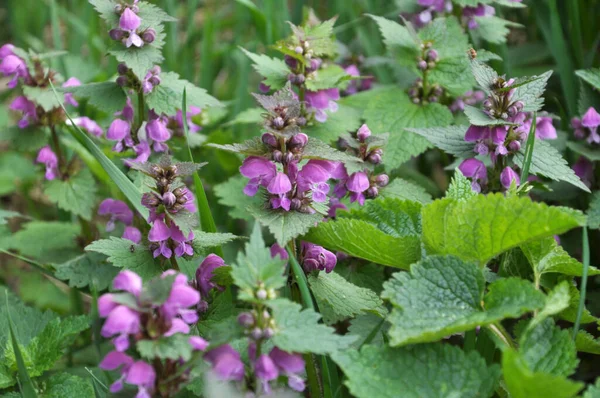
(260,171)
(357,183)
(591,120)
(507,176)
(6,50)
(317,258)
(157,130)
(120,130)
(334,206)
(141,374)
(322,100)
(143,152)
(277,250)
(194,110)
(482,10)
(204,273)
(265,370)
(476,170)
(49,159)
(182,243)
(290,365)
(133,234)
(118,211)
(128,281)
(121,321)
(226,363)
(14,67)
(27,108)
(89,125)
(280,185)
(363,133)
(71,82)
(129,22)
(198,343)
(584,169)
(544,129)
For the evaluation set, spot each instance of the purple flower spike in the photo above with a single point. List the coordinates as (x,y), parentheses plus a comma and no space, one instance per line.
(121,320)
(226,363)
(14,66)
(476,133)
(280,184)
(204,273)
(507,176)
(288,363)
(260,171)
(128,281)
(476,170)
(49,159)
(118,211)
(159,231)
(6,50)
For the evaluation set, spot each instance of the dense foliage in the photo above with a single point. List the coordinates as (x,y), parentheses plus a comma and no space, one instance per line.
(407,208)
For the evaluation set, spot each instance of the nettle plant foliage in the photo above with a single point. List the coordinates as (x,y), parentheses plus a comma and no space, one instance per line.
(353,281)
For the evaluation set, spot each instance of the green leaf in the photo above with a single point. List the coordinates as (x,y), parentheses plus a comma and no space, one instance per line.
(106,96)
(345,119)
(167,97)
(231,194)
(522,382)
(546,256)
(450,139)
(316,149)
(594,212)
(273,70)
(484,226)
(585,150)
(591,76)
(256,267)
(67,385)
(397,38)
(27,139)
(123,253)
(479,118)
(391,111)
(548,349)
(585,342)
(419,371)
(77,194)
(493,29)
(285,225)
(185,220)
(531,93)
(6,214)
(25,383)
(48,241)
(405,190)
(138,59)
(203,241)
(339,299)
(593,391)
(157,290)
(330,76)
(548,162)
(44,97)
(444,295)
(387,232)
(298,330)
(484,75)
(220,309)
(174,347)
(89,269)
(367,327)
(558,299)
(460,187)
(570,314)
(252,147)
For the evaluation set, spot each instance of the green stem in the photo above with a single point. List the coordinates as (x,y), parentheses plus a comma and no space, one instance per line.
(469,341)
(301,280)
(576,37)
(529,149)
(140,115)
(584,278)
(502,334)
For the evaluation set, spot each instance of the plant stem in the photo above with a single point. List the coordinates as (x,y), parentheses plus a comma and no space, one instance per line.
(140,118)
(584,278)
(502,334)
(301,280)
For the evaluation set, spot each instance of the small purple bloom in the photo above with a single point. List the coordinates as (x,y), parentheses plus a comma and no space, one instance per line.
(544,129)
(317,258)
(159,231)
(157,130)
(591,120)
(322,100)
(194,110)
(141,374)
(6,50)
(280,184)
(71,82)
(133,234)
(128,281)
(363,133)
(14,66)
(357,183)
(183,243)
(507,176)
(89,125)
(277,250)
(204,273)
(259,170)
(584,169)
(49,159)
(27,108)
(118,211)
(119,130)
(121,320)
(198,343)
(226,363)
(476,170)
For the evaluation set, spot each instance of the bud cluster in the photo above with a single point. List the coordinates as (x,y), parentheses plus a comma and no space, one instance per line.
(317,258)
(421,95)
(128,31)
(428,58)
(285,150)
(128,79)
(499,104)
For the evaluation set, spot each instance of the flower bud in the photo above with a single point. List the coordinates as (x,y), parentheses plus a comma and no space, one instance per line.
(278,122)
(270,140)
(295,204)
(256,334)
(122,81)
(298,50)
(363,133)
(122,69)
(433,98)
(150,200)
(301,121)
(268,333)
(382,180)
(149,35)
(291,62)
(261,294)
(135,8)
(277,156)
(413,92)
(299,79)
(315,63)
(245,319)
(519,105)
(372,192)
(288,157)
(299,140)
(432,55)
(118,8)
(169,198)
(116,34)
(154,80)
(437,90)
(422,65)
(375,156)
(416,100)
(514,146)
(488,103)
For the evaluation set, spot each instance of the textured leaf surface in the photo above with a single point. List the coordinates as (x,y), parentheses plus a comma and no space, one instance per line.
(173,347)
(50,241)
(585,342)
(585,150)
(531,93)
(405,190)
(274,70)
(479,118)
(484,74)
(546,256)
(77,194)
(106,96)
(594,212)
(558,299)
(125,254)
(168,96)
(444,295)
(493,29)
(419,371)
(460,187)
(89,269)
(299,331)
(285,226)
(339,299)
(450,139)
(230,194)
(591,76)
(397,38)
(67,385)
(548,162)
(486,225)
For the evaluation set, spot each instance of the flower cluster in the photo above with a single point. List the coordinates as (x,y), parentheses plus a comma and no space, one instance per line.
(48,158)
(356,86)
(586,128)
(163,308)
(119,211)
(469,14)
(471,97)
(128,31)
(12,65)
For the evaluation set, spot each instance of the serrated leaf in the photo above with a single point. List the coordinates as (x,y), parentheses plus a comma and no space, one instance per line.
(230,194)
(546,256)
(385,232)
(479,118)
(522,382)
(444,295)
(482,227)
(585,342)
(591,76)
(139,60)
(365,327)
(460,187)
(89,269)
(252,147)
(67,385)
(285,225)
(316,149)
(274,70)
(391,111)
(531,93)
(548,162)
(77,194)
(493,29)
(557,300)
(27,139)
(123,253)
(167,97)
(44,97)
(419,371)
(49,241)
(585,150)
(299,330)
(593,391)
(256,266)
(593,212)
(207,240)
(176,347)
(570,314)
(405,190)
(450,139)
(330,76)
(339,299)
(106,96)
(397,38)
(483,74)
(221,308)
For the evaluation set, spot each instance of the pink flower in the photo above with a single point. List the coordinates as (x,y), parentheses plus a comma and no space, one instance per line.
(27,108)
(89,125)
(226,363)
(507,176)
(71,82)
(204,273)
(476,170)
(133,234)
(260,171)
(357,183)
(118,211)
(49,159)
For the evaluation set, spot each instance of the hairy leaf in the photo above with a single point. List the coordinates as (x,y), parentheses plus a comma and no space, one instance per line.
(174,347)
(285,225)
(591,76)
(106,96)
(274,70)
(125,254)
(450,139)
(77,194)
(89,269)
(405,190)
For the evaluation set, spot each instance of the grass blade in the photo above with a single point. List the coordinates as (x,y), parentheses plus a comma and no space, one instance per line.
(529,149)
(125,185)
(584,278)
(207,222)
(27,388)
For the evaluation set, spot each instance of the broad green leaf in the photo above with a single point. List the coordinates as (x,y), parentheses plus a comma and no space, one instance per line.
(252,147)
(493,29)
(585,342)
(460,187)
(589,152)
(405,190)
(484,226)
(546,256)
(548,162)
(106,96)
(591,76)
(370,276)
(593,391)
(317,149)
(450,139)
(50,241)
(167,97)
(77,194)
(27,139)
(123,253)
(483,74)
(138,59)
(397,38)
(6,214)
(419,371)
(593,212)
(339,299)
(393,216)
(391,111)
(285,225)
(479,118)
(298,330)
(532,93)
(444,295)
(522,382)
(570,314)
(331,76)
(16,171)
(255,267)
(230,193)
(345,119)
(89,269)
(274,70)
(203,241)
(44,97)
(220,308)
(174,347)
(558,300)
(64,385)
